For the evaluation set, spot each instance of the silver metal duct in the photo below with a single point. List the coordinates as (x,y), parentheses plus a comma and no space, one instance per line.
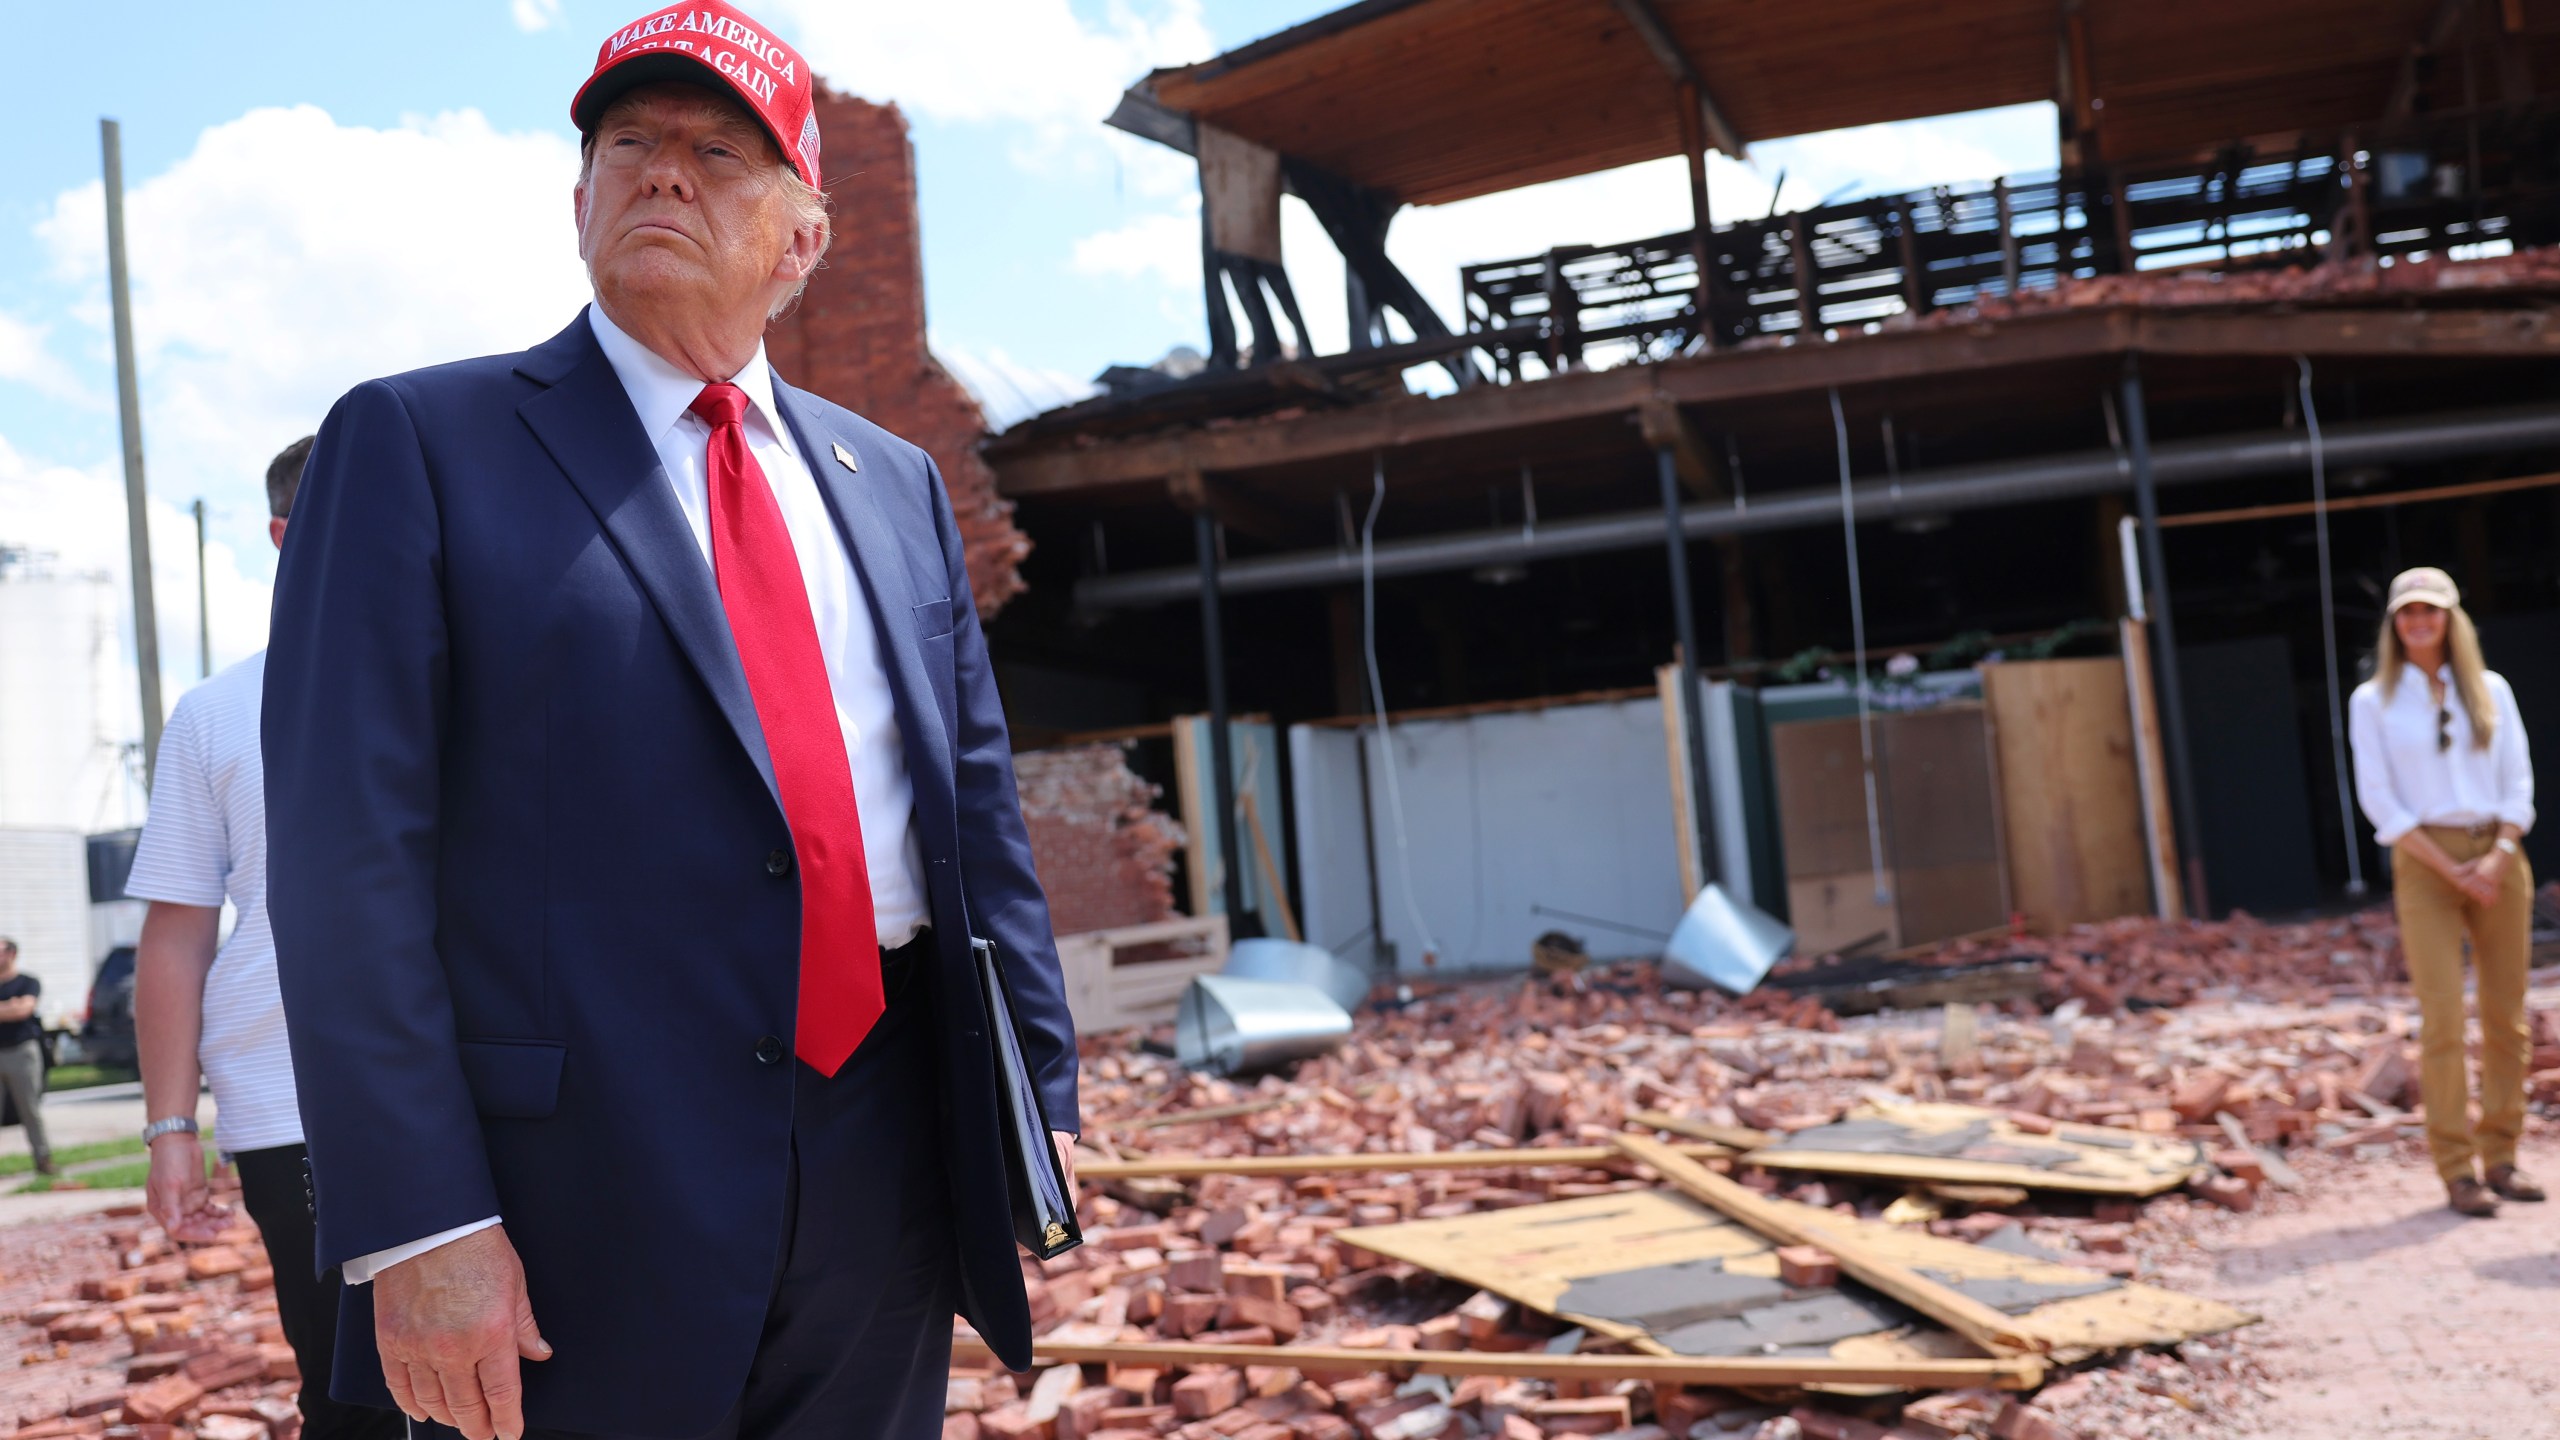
(1972,487)
(1297,963)
(1227,1024)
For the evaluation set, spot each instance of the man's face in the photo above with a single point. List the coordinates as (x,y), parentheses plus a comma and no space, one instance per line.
(683,208)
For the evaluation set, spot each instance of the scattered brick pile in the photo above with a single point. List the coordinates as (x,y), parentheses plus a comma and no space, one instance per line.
(1104,853)
(2144,962)
(134,1339)
(1255,1260)
(2356,282)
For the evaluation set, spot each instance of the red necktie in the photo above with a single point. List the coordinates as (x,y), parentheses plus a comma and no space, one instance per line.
(768,606)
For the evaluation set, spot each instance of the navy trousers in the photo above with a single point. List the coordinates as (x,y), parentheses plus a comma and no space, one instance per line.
(857,1338)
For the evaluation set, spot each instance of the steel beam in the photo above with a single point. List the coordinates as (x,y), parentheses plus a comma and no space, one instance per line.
(1213,647)
(2054,477)
(2164,635)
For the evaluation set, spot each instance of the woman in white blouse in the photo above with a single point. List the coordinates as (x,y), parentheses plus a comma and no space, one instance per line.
(2442,772)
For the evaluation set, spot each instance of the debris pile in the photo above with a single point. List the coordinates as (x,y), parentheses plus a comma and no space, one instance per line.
(2138,961)
(124,1336)
(1241,1241)
(2354,282)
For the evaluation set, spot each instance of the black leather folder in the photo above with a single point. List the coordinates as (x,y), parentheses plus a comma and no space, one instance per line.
(1044,1206)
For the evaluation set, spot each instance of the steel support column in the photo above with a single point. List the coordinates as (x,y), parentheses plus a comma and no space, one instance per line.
(1213,645)
(1685,626)
(2164,636)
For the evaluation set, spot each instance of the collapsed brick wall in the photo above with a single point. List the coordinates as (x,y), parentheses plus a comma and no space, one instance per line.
(857,336)
(1105,855)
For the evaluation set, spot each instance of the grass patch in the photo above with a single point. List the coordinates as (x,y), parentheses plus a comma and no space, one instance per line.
(127,1176)
(81,1077)
(70,1155)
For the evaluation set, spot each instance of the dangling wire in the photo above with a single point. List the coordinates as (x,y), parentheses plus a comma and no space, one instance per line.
(1858,645)
(2329,627)
(1378,701)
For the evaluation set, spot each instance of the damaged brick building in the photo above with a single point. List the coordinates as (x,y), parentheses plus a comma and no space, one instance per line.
(858,338)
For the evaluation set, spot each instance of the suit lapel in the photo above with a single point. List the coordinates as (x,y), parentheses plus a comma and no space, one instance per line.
(880,558)
(585,420)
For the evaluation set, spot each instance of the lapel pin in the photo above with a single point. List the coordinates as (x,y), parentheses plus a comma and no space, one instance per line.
(847,457)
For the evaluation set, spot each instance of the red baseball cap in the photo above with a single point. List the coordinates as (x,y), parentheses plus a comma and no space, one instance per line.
(710,44)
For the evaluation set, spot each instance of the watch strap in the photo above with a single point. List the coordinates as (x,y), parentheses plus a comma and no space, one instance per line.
(169,1125)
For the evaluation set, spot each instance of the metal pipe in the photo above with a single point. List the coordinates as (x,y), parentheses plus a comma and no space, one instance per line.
(2164,637)
(137,498)
(204,610)
(1693,725)
(1973,487)
(1213,644)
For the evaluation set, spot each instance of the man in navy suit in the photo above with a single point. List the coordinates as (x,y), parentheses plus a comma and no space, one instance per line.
(636,780)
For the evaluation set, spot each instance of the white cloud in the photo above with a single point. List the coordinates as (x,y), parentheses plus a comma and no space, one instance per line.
(532,15)
(75,516)
(25,358)
(1165,246)
(282,261)
(1007,389)
(288,258)
(1031,61)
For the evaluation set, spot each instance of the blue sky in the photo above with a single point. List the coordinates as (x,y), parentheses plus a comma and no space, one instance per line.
(321,192)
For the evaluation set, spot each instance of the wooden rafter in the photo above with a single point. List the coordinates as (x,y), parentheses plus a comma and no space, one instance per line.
(1666,50)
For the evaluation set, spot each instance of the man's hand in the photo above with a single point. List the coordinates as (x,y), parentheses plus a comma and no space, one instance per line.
(451,1325)
(1066,1144)
(177,1195)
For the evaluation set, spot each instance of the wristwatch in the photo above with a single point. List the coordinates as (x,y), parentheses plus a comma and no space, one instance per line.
(2508,844)
(169,1125)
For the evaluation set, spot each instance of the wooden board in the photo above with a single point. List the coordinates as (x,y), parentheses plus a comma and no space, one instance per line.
(2151,774)
(2070,797)
(1822,798)
(1535,1253)
(1941,823)
(1254,759)
(1675,742)
(2102,1161)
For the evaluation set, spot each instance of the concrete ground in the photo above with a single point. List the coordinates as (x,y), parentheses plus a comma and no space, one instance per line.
(2387,1315)
(87,1116)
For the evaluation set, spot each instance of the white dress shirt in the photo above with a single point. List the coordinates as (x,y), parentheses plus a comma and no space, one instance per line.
(2405,780)
(865,708)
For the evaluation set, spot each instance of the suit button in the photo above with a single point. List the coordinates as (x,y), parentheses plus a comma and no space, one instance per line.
(769,1050)
(777,863)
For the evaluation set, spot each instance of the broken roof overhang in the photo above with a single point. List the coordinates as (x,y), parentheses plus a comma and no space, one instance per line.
(1431,101)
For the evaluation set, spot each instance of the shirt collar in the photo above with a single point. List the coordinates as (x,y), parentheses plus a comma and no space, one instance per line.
(664,395)
(2444,672)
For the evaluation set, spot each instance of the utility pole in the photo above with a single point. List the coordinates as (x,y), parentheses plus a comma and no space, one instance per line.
(204,611)
(137,500)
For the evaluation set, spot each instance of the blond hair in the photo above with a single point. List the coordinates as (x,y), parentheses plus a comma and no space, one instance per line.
(2470,672)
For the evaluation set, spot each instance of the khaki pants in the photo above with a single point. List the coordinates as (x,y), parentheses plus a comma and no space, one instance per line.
(2434,918)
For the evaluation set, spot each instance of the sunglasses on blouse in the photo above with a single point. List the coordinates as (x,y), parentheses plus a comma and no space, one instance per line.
(2444,729)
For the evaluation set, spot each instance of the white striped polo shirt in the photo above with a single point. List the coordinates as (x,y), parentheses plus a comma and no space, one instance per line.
(206,842)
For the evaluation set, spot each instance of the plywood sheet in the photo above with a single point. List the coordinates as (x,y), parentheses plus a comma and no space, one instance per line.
(1676,1275)
(2070,792)
(1965,1144)
(1822,796)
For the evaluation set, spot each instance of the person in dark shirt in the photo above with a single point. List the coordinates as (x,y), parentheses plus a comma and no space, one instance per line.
(22,1051)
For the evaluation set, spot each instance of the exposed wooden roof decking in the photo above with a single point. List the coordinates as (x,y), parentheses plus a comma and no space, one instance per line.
(1430,101)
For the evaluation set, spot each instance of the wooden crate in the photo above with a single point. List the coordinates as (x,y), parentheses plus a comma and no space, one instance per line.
(1135,975)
